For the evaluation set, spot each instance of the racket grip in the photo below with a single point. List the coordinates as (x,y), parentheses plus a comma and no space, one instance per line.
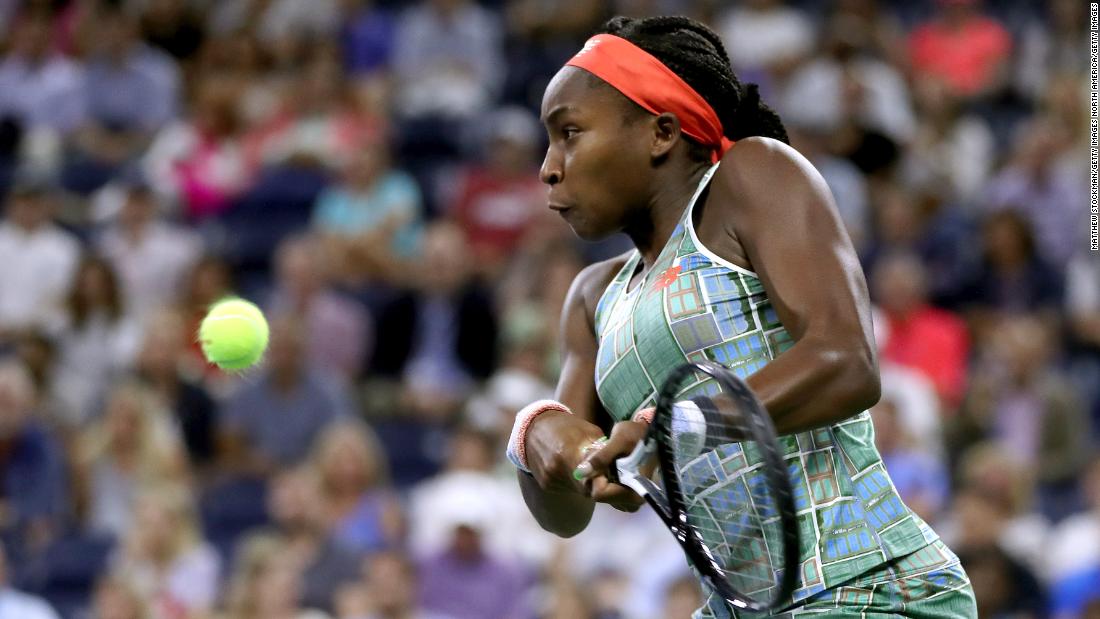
(582,470)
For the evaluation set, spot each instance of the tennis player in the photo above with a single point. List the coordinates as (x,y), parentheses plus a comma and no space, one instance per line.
(741,258)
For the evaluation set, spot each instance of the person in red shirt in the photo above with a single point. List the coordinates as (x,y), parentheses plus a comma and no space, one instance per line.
(499,200)
(930,340)
(967,50)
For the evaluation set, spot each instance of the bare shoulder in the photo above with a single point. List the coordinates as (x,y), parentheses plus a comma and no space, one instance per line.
(758,167)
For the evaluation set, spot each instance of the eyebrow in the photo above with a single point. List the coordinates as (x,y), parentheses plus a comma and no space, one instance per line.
(557,111)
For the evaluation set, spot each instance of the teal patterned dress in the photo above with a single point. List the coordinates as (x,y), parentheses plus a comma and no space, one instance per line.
(862,549)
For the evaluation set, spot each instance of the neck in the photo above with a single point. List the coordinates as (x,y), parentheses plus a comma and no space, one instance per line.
(653,226)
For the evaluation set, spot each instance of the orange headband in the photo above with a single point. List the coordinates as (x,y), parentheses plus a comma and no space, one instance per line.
(649,83)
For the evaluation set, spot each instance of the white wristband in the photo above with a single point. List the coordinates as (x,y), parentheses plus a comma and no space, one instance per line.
(516,451)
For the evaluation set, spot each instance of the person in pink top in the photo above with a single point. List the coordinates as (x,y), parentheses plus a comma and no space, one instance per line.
(930,340)
(967,50)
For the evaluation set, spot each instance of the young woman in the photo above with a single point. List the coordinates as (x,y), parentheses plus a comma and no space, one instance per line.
(740,258)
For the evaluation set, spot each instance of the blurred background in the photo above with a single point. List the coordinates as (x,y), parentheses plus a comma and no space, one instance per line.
(366,171)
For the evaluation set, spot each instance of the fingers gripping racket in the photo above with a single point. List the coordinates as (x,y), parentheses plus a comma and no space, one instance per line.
(722,489)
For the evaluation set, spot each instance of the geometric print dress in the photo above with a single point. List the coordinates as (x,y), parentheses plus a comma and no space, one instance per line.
(862,550)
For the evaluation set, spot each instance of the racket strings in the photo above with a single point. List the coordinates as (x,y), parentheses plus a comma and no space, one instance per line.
(721,482)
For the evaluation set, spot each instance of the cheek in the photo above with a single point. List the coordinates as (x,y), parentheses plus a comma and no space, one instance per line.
(602,180)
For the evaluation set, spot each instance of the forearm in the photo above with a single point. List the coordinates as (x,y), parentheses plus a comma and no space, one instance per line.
(562,513)
(814,385)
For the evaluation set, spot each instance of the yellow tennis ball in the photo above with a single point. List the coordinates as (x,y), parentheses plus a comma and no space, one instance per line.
(234,334)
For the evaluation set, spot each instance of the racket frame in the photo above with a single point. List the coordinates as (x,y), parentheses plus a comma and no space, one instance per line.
(626,471)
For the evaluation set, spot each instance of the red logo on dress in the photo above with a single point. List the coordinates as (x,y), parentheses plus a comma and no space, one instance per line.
(667,278)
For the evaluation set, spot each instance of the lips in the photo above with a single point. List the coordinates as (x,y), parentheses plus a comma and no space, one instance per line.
(561,208)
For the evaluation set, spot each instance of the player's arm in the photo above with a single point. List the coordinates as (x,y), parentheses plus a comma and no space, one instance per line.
(554,440)
(778,215)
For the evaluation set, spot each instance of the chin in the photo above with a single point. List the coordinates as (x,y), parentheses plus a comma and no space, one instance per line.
(588,232)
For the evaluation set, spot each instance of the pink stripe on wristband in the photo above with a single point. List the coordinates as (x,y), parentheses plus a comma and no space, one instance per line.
(524,418)
(645,415)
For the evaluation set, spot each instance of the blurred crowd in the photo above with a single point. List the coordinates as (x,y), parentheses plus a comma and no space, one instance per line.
(367,172)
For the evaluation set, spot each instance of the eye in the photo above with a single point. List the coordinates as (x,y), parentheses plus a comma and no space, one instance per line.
(570,132)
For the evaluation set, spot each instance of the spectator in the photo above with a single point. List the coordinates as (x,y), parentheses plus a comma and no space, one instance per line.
(298,511)
(848,85)
(469,471)
(209,281)
(912,395)
(133,90)
(200,163)
(366,37)
(37,262)
(1052,46)
(1044,179)
(40,88)
(165,556)
(766,39)
(97,342)
(279,22)
(952,152)
(909,221)
(447,59)
(319,122)
(1003,587)
(441,337)
(388,591)
(1083,313)
(267,584)
(372,220)
(32,467)
(273,420)
(159,368)
(499,201)
(117,598)
(963,47)
(336,329)
(37,352)
(363,513)
(540,34)
(465,580)
(847,184)
(16,604)
(133,448)
(150,255)
(1074,547)
(1026,406)
(927,339)
(994,505)
(1013,278)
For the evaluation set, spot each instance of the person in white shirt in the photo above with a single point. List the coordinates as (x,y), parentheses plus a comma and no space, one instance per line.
(152,257)
(17,605)
(37,262)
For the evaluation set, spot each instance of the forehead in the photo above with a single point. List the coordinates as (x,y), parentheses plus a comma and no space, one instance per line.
(576,90)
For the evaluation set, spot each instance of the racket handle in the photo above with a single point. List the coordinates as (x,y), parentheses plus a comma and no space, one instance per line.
(582,471)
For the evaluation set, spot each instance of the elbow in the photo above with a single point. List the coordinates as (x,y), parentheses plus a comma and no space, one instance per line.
(854,380)
(864,387)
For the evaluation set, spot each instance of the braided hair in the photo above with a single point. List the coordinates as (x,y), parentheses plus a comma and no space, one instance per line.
(695,53)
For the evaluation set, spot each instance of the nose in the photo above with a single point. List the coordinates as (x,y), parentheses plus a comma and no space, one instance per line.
(550,171)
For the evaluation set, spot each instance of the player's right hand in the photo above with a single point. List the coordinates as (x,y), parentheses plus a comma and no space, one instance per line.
(555,445)
(624,437)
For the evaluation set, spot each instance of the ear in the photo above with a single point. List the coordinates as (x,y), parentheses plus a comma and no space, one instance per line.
(666,133)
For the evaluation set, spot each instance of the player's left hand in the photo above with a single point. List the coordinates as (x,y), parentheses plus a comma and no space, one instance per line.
(624,437)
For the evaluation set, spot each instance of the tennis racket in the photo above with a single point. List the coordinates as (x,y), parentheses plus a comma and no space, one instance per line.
(721,486)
